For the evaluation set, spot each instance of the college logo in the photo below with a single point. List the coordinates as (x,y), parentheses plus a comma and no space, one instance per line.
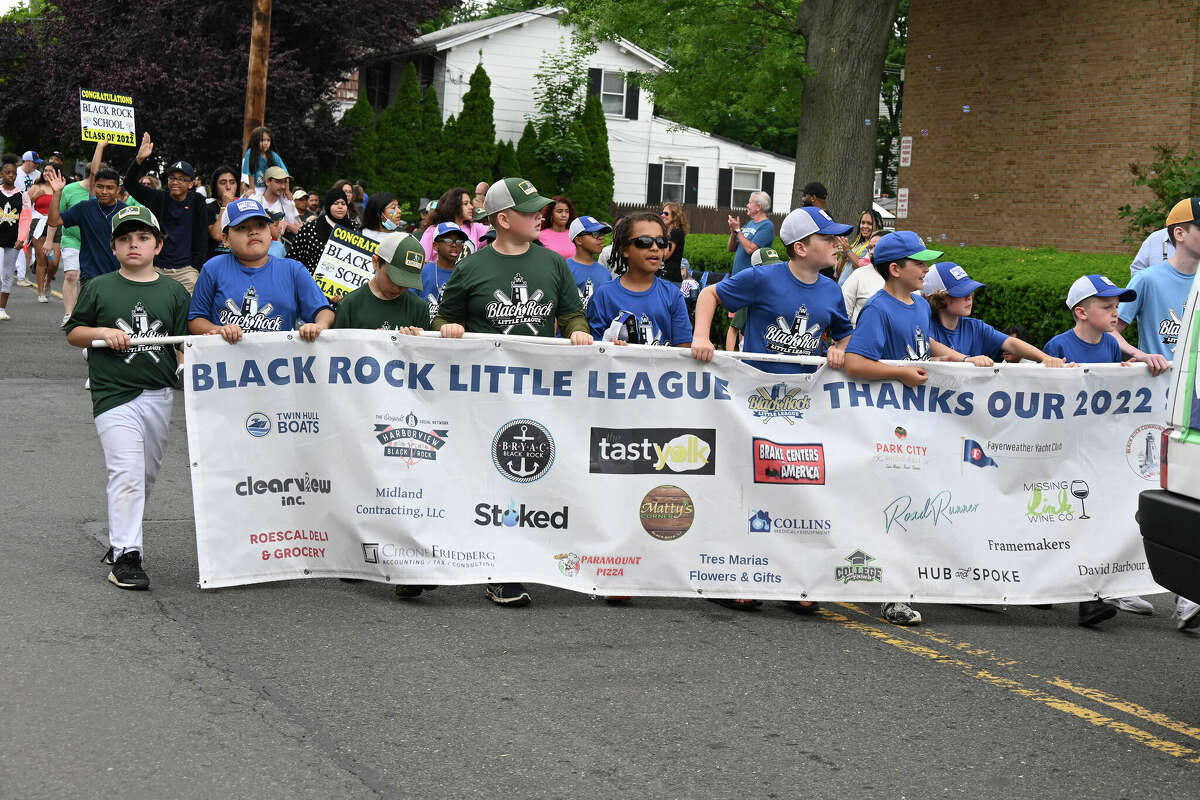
(859,569)
(919,349)
(408,442)
(938,508)
(249,316)
(667,512)
(568,564)
(797,339)
(973,454)
(291,490)
(140,325)
(779,400)
(762,522)
(1141,451)
(258,424)
(522,516)
(518,308)
(900,453)
(646,451)
(523,450)
(789,464)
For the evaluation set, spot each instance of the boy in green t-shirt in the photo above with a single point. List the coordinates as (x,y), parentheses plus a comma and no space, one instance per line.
(131,385)
(390,300)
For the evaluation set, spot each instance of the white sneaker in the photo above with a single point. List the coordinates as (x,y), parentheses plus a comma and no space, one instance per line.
(1187,613)
(1133,604)
(900,614)
(27,283)
(65,319)
(42,298)
(4,314)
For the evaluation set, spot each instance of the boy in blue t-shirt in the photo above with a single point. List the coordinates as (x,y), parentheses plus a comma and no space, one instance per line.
(587,234)
(1093,301)
(790,307)
(448,244)
(951,295)
(638,307)
(1162,290)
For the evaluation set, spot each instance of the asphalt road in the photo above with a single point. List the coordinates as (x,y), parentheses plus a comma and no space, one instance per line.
(327,689)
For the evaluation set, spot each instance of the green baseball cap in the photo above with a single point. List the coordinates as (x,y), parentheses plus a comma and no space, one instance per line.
(515,193)
(404,257)
(134,214)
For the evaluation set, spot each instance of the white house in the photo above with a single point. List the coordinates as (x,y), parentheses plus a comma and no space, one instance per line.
(654,159)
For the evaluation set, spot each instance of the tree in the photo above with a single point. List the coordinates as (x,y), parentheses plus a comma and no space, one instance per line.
(358,130)
(476,146)
(401,138)
(187,71)
(1169,177)
(532,167)
(507,165)
(429,182)
(593,185)
(891,91)
(560,85)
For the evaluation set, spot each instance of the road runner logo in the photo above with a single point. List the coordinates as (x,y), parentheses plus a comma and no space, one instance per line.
(788,464)
(291,489)
(523,450)
(779,400)
(250,316)
(519,308)
(939,508)
(667,512)
(858,571)
(409,443)
(647,451)
(1141,451)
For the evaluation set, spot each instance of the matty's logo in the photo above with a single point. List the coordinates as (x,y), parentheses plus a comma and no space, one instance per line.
(667,512)
(859,569)
(779,401)
(646,451)
(412,441)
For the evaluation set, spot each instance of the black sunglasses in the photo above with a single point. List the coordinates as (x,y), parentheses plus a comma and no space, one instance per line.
(646,242)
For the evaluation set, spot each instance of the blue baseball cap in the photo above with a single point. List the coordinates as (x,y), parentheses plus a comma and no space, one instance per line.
(808,220)
(948,277)
(239,211)
(585,224)
(1096,286)
(900,245)
(447,228)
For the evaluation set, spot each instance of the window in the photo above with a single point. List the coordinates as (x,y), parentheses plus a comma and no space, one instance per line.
(745,181)
(672,182)
(612,92)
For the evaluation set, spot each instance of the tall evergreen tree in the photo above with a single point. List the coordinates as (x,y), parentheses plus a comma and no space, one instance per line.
(507,164)
(475,147)
(527,151)
(401,156)
(593,184)
(432,143)
(358,130)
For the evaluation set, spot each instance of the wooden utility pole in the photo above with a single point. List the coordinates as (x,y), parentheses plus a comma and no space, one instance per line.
(256,73)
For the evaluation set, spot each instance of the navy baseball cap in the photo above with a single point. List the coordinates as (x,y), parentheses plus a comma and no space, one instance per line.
(900,245)
(239,211)
(808,220)
(586,224)
(488,236)
(448,228)
(948,277)
(1096,286)
(181,166)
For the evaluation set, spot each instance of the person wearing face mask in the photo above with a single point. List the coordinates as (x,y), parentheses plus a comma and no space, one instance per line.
(310,241)
(381,217)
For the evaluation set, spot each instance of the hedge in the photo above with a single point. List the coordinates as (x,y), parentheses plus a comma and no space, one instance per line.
(1025,287)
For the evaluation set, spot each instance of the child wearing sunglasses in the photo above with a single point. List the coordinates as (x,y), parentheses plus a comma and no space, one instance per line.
(639,307)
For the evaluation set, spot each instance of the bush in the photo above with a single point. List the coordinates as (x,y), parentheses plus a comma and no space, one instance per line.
(1024,287)
(1171,178)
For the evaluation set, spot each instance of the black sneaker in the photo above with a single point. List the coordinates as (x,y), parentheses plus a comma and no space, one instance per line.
(127,572)
(108,558)
(508,594)
(1092,612)
(410,591)
(736,603)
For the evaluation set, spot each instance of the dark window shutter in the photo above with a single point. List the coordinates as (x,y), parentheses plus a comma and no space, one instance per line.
(631,101)
(594,78)
(691,185)
(724,188)
(768,185)
(653,184)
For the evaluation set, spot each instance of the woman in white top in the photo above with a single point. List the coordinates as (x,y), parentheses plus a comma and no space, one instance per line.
(864,282)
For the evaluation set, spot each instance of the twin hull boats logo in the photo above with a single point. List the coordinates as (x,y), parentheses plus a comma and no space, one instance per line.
(647,451)
(410,439)
(259,424)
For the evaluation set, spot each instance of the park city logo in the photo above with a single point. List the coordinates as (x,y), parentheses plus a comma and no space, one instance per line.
(1141,451)
(648,451)
(141,326)
(788,464)
(523,450)
(901,452)
(779,401)
(859,571)
(249,316)
(518,309)
(667,512)
(291,491)
(797,339)
(410,439)
(1050,501)
(763,522)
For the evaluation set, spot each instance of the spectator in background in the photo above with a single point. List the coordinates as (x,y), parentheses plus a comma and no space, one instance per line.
(381,217)
(259,155)
(758,231)
(814,195)
(28,172)
(347,190)
(276,198)
(360,196)
(150,181)
(864,281)
(1155,245)
(310,241)
(458,206)
(677,231)
(223,190)
(854,254)
(300,201)
(556,223)
(480,191)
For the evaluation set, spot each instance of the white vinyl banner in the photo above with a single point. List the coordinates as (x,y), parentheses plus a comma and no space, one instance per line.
(639,471)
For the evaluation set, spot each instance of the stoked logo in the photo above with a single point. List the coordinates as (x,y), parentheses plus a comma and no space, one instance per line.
(859,570)
(646,451)
(249,316)
(523,450)
(413,440)
(520,516)
(797,339)
(779,401)
(518,308)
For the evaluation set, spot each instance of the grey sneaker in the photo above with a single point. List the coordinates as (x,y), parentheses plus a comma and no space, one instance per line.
(508,594)
(1187,614)
(1133,604)
(900,614)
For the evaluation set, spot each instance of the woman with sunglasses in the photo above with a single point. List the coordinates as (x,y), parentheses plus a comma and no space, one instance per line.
(677,230)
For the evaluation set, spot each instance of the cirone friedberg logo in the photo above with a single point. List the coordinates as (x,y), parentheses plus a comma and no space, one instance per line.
(523,450)
(667,512)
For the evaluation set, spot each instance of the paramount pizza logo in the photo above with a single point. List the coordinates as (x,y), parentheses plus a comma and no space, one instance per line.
(779,401)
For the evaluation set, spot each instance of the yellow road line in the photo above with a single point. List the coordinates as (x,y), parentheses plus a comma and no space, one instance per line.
(1014,686)
(54,292)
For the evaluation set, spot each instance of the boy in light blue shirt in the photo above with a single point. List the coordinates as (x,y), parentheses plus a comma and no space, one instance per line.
(587,234)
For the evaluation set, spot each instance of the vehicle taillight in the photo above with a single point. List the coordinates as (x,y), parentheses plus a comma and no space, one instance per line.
(1162,458)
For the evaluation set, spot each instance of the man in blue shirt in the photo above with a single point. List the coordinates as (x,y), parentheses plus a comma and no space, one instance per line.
(758,231)
(94,220)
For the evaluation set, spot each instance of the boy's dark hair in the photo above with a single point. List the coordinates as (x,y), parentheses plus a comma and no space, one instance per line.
(216,176)
(138,226)
(1019,331)
(1171,230)
(816,189)
(622,238)
(107,174)
(9,158)
(885,269)
(938,300)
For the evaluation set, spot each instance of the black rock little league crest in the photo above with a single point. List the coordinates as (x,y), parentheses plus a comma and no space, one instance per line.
(523,450)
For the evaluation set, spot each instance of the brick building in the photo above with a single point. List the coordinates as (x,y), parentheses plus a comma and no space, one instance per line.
(1025,116)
